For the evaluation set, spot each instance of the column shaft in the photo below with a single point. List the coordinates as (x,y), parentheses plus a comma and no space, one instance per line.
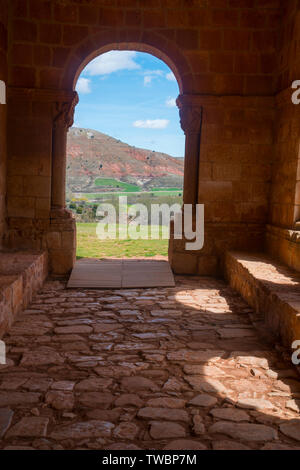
(58,182)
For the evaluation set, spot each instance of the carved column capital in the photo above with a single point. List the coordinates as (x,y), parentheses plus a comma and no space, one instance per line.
(64,112)
(190,112)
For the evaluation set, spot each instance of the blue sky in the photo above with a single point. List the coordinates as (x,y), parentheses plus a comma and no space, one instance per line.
(131,97)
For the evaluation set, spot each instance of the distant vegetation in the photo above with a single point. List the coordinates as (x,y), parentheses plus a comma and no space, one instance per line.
(84,205)
(100,169)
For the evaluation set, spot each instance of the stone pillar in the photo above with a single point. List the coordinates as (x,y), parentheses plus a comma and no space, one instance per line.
(63,119)
(190,121)
(61,239)
(190,110)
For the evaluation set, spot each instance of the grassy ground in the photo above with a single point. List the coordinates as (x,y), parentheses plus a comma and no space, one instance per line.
(156,193)
(89,246)
(112,183)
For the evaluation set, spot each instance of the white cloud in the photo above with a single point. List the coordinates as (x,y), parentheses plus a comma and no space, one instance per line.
(156,72)
(170,76)
(112,61)
(151,124)
(147,80)
(150,75)
(171,102)
(83,85)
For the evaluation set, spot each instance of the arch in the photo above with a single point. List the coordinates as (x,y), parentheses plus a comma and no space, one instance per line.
(152,43)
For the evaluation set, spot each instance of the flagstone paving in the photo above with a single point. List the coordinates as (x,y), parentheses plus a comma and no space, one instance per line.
(189,367)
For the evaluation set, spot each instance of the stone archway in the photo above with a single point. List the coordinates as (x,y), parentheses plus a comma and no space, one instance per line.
(190,111)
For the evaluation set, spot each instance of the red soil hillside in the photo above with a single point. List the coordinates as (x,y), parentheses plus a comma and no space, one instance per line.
(92,155)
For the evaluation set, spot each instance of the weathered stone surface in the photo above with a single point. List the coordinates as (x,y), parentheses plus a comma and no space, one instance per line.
(75,329)
(41,384)
(41,358)
(185,444)
(166,430)
(126,431)
(206,385)
(174,385)
(82,430)
(128,399)
(60,400)
(235,333)
(18,448)
(106,327)
(245,432)
(93,384)
(203,400)
(13,383)
(122,446)
(195,369)
(29,427)
(293,405)
(229,445)
(256,361)
(276,446)
(291,429)
(148,388)
(138,383)
(65,386)
(105,415)
(254,403)
(166,402)
(25,329)
(230,414)
(195,356)
(94,399)
(18,398)
(6,415)
(198,425)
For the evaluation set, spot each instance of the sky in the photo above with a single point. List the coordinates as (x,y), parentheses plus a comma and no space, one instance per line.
(131,96)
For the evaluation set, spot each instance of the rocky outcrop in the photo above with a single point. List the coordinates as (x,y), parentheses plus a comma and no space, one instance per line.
(92,155)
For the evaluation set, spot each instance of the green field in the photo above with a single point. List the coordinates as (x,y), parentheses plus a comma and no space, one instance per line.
(113,183)
(89,246)
(165,189)
(157,193)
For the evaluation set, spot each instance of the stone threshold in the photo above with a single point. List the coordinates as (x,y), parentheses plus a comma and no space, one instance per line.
(22,274)
(271,288)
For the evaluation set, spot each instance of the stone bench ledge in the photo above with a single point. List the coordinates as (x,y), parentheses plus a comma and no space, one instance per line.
(271,288)
(22,274)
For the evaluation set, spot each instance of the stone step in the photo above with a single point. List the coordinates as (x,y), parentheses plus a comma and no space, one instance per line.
(22,274)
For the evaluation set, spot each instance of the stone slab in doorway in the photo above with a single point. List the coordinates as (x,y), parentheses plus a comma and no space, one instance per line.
(120,273)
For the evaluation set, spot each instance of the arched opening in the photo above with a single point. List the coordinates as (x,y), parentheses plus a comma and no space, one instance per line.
(138,47)
(126,143)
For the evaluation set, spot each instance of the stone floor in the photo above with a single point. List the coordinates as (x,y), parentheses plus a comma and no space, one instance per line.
(168,368)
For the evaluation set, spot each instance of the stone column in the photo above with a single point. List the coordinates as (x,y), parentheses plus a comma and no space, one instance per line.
(61,238)
(63,119)
(190,110)
(190,120)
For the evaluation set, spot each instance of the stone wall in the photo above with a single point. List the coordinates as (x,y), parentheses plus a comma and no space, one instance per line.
(285,194)
(33,223)
(3,77)
(284,245)
(223,54)
(22,274)
(236,153)
(217,46)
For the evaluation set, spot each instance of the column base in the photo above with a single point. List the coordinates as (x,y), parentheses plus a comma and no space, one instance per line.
(61,242)
(218,239)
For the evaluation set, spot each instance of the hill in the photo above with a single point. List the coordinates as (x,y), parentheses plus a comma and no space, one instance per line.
(97,162)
